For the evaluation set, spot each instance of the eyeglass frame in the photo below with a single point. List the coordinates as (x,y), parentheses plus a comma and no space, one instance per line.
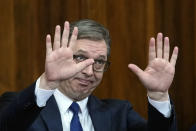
(107,63)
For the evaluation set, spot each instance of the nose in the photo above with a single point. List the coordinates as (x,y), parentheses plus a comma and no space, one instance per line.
(88,70)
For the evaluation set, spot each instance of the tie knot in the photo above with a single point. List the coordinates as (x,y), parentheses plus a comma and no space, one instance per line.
(74,107)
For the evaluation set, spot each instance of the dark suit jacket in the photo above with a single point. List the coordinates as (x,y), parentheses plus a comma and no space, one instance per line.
(18,110)
(106,115)
(193,128)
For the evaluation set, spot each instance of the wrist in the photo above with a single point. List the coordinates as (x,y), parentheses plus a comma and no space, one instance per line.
(46,84)
(158,96)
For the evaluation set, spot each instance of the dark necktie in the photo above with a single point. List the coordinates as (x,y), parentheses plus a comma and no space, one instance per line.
(75,122)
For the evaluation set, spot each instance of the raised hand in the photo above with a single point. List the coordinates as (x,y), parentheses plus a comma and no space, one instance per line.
(159,74)
(59,64)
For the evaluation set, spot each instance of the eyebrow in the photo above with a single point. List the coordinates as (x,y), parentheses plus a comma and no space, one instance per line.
(81,51)
(86,53)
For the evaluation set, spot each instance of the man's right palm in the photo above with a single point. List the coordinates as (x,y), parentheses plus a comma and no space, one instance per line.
(59,64)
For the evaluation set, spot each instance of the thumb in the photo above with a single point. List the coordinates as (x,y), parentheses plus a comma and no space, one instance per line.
(84,64)
(135,69)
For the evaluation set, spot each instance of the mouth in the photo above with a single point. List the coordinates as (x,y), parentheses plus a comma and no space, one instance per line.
(84,82)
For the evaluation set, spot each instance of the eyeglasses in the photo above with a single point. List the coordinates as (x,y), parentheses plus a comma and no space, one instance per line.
(99,65)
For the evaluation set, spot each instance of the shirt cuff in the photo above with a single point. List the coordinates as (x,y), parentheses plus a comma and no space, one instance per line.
(42,95)
(163,107)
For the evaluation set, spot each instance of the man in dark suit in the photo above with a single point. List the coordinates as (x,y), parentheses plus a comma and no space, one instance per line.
(61,98)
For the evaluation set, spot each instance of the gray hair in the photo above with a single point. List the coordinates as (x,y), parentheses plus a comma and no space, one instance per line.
(91,30)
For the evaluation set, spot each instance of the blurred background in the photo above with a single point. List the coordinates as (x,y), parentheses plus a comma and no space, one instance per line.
(24,25)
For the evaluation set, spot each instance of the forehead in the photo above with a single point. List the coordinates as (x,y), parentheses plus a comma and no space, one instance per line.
(91,48)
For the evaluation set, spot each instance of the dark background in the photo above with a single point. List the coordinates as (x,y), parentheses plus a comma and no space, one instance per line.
(24,25)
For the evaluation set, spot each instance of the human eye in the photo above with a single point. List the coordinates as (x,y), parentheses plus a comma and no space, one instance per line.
(79,58)
(100,62)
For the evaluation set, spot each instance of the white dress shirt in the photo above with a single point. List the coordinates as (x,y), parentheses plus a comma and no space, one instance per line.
(64,103)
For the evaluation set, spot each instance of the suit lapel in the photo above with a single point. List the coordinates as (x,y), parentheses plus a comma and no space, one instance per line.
(101,118)
(51,115)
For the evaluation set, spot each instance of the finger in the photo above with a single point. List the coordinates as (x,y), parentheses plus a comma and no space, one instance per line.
(166,48)
(73,37)
(65,36)
(57,38)
(174,56)
(84,64)
(48,45)
(136,70)
(159,45)
(152,52)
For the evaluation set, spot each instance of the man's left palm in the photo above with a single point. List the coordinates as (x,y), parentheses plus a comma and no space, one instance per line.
(159,74)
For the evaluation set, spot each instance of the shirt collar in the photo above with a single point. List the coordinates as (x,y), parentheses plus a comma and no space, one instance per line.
(65,102)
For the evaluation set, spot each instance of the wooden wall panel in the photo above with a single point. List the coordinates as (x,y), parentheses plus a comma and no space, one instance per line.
(7,47)
(185,84)
(25,24)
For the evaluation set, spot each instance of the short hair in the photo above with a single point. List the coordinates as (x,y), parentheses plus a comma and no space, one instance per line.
(91,30)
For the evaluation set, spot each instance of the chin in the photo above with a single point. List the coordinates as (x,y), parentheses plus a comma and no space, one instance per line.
(80,96)
(83,93)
